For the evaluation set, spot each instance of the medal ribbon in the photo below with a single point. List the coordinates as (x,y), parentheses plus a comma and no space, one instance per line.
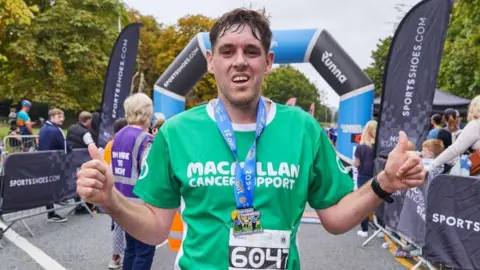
(244,184)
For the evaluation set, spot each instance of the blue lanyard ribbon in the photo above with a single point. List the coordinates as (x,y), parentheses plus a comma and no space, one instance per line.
(244,185)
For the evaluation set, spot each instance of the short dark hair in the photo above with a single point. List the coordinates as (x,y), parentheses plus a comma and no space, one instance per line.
(239,18)
(437,118)
(450,113)
(119,124)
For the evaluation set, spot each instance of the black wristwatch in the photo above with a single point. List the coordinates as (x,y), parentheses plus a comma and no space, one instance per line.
(380,192)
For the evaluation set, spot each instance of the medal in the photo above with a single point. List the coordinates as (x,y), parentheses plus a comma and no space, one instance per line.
(246,221)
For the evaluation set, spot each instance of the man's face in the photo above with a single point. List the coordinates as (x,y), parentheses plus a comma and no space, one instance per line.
(239,63)
(58,119)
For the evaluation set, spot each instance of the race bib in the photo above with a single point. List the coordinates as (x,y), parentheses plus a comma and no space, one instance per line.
(267,250)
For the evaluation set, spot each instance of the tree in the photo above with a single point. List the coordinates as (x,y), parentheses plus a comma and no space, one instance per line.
(459,71)
(376,70)
(161,44)
(61,59)
(285,82)
(13,13)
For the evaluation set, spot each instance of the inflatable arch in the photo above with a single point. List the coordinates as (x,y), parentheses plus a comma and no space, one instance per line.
(314,46)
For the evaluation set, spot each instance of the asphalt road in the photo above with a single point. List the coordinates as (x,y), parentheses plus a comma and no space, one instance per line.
(84,243)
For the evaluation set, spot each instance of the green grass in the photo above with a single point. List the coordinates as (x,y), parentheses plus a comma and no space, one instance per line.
(5,130)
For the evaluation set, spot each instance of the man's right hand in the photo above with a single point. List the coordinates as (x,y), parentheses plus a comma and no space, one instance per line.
(95,179)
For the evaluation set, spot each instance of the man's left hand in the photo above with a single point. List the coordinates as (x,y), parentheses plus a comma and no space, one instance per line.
(403,169)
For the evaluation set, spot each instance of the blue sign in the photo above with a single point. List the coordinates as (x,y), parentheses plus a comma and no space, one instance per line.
(167,103)
(353,114)
(289,46)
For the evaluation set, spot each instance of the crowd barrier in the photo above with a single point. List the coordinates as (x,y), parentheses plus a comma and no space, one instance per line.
(441,219)
(19,143)
(32,180)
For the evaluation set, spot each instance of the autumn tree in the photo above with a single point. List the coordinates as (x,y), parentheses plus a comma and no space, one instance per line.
(161,44)
(285,82)
(13,14)
(62,57)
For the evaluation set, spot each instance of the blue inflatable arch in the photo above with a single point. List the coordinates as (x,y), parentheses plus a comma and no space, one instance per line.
(314,46)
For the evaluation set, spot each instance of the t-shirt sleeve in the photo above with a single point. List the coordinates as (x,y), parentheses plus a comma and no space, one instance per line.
(107,153)
(329,181)
(22,118)
(157,185)
(358,151)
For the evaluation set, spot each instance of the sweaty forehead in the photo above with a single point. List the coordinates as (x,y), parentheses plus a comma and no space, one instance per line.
(238,36)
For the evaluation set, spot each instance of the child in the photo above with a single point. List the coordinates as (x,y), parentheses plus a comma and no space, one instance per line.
(430,150)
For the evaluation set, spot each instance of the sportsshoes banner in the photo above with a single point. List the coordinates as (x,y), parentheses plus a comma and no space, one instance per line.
(452,233)
(118,81)
(411,74)
(46,177)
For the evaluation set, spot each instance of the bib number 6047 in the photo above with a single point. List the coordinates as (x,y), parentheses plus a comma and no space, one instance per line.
(258,258)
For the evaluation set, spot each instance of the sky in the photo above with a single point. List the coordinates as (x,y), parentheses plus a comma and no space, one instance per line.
(356,25)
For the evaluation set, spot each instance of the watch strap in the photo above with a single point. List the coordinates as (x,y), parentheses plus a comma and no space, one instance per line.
(380,192)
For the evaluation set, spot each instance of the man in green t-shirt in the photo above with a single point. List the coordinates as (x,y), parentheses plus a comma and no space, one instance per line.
(242,168)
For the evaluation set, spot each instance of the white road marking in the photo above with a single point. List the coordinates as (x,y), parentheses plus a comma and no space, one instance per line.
(162,244)
(37,254)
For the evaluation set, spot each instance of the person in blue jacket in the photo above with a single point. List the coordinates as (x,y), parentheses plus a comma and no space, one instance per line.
(52,138)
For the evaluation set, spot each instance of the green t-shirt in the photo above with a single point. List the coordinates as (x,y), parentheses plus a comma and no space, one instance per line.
(191,166)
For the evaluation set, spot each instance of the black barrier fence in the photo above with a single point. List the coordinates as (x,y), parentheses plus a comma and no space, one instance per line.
(440,218)
(33,180)
(37,179)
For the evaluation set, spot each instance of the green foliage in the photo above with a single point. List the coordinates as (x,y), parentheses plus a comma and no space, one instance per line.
(57,52)
(376,70)
(285,82)
(460,67)
(13,13)
(61,58)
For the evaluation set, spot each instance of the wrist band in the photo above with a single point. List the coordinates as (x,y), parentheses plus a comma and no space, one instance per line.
(380,192)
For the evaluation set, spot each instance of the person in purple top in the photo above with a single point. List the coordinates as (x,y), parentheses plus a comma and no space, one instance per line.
(129,150)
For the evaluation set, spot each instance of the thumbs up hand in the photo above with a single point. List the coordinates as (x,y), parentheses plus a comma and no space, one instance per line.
(95,179)
(403,170)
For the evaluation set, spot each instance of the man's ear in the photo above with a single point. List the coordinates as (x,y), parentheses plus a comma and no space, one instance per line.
(209,55)
(269,62)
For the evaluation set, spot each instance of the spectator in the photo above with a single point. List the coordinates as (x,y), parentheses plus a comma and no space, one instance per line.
(52,138)
(469,140)
(118,235)
(430,150)
(364,157)
(451,123)
(25,125)
(14,141)
(332,135)
(23,119)
(157,126)
(133,141)
(80,137)
(436,121)
(78,134)
(12,117)
(117,126)
(94,125)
